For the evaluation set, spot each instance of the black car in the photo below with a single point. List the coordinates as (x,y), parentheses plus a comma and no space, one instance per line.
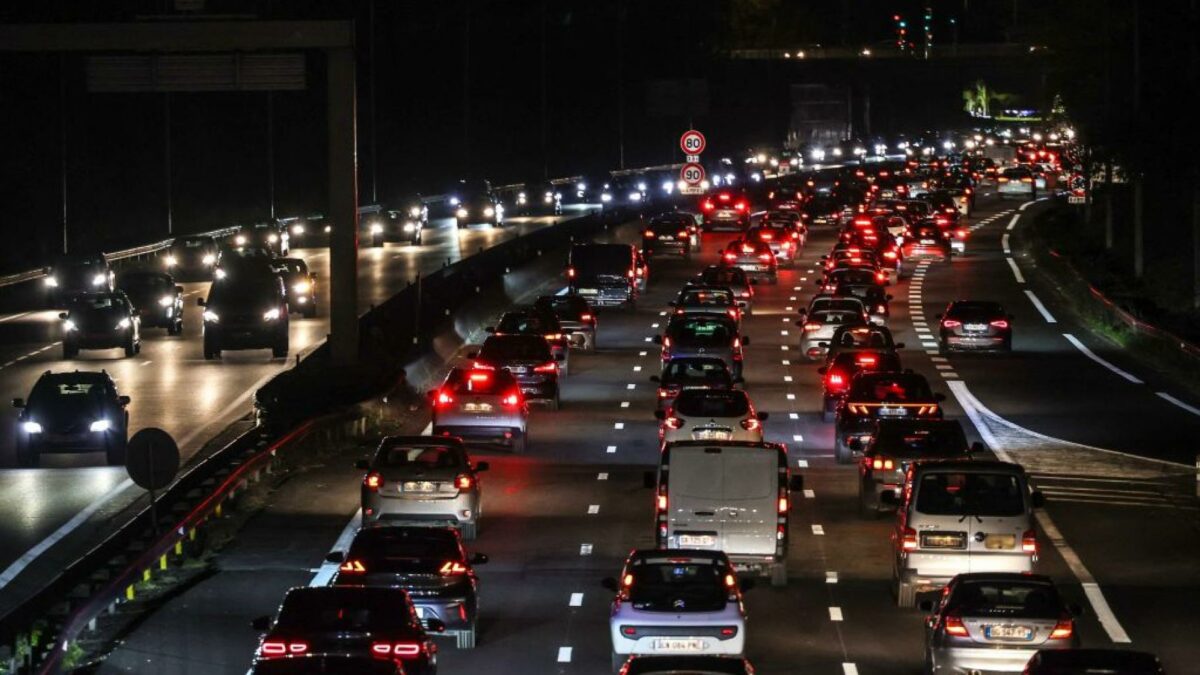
(528,358)
(306,231)
(101,321)
(473,201)
(537,321)
(668,234)
(877,396)
(350,621)
(687,665)
(575,316)
(715,335)
(328,664)
(158,301)
(78,273)
(841,371)
(974,325)
(246,309)
(538,198)
(604,274)
(429,563)
(192,256)
(691,372)
(1094,662)
(896,444)
(72,412)
(299,285)
(272,237)
(410,218)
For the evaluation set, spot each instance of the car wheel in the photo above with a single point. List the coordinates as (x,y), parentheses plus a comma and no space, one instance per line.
(520,442)
(866,504)
(465,639)
(906,595)
(115,453)
(131,349)
(779,574)
(70,351)
(842,452)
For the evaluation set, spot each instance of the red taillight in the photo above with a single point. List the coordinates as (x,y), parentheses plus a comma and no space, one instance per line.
(401,649)
(480,377)
(765,236)
(765,257)
(549,367)
(909,542)
(273,648)
(1026,180)
(999,323)
(1063,630)
(1029,542)
(955,627)
(631,274)
(682,234)
(585,317)
(835,381)
(661,504)
(811,325)
(730,256)
(352,567)
(512,400)
(444,399)
(890,255)
(867,359)
(961,233)
(880,277)
(570,272)
(464,481)
(452,568)
(883,464)
(373,481)
(733,313)
(707,205)
(751,424)
(741,206)
(951,323)
(724,196)
(673,422)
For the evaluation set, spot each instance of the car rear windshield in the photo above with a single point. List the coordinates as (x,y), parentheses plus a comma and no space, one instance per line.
(524,323)
(891,388)
(970,310)
(515,347)
(1016,599)
(667,226)
(564,304)
(594,260)
(701,332)
(710,403)
(865,338)
(854,277)
(725,275)
(685,587)
(834,316)
(936,440)
(420,457)
(707,297)
(696,369)
(406,545)
(338,611)
(480,381)
(951,493)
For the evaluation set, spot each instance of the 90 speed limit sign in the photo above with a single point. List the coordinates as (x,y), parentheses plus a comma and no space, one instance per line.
(692,142)
(692,173)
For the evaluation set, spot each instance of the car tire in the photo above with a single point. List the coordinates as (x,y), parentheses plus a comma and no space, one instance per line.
(866,505)
(842,452)
(173,328)
(70,351)
(779,575)
(280,349)
(131,349)
(114,455)
(520,442)
(906,595)
(465,639)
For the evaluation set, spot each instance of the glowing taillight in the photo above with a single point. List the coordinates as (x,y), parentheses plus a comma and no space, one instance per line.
(661,503)
(1063,630)
(890,255)
(835,381)
(352,567)
(955,627)
(630,273)
(999,323)
(464,481)
(766,236)
(811,325)
(951,323)
(548,367)
(673,422)
(373,481)
(867,359)
(730,256)
(883,464)
(585,317)
(452,568)
(733,313)
(765,257)
(273,648)
(682,234)
(570,272)
(401,649)
(961,233)
(1029,542)
(649,234)
(909,541)
(480,377)
(512,400)
(741,206)
(730,581)
(707,205)
(746,248)
(444,399)
(783,505)
(751,424)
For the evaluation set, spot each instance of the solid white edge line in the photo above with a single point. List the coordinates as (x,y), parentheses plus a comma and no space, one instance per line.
(325,573)
(1095,597)
(1040,307)
(849,669)
(1174,401)
(1004,244)
(1016,270)
(1093,356)
(1012,223)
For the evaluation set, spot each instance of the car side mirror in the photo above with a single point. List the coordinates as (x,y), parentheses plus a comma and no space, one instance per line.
(795,483)
(657,339)
(435,626)
(888,497)
(976,448)
(260,622)
(471,355)
(335,557)
(739,380)
(855,444)
(655,378)
(610,584)
(746,584)
(479,559)
(18,403)
(762,416)
(179,290)
(482,466)
(490,329)
(939,397)
(200,302)
(1038,499)
(660,415)
(925,605)
(822,370)
(62,315)
(899,345)
(123,400)
(746,340)
(363,465)
(649,480)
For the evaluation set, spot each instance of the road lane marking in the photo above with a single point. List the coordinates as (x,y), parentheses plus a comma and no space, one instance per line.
(618,425)
(624,404)
(794,416)
(641,353)
(564,654)
(1040,307)
(783,333)
(610,449)
(818,530)
(929,345)
(809,494)
(1093,356)
(1013,222)
(802,463)
(783,348)
(849,669)
(1004,244)
(831,577)
(787,378)
(835,613)
(602,476)
(797,438)
(791,397)
(1027,205)
(649,339)
(1016,270)
(1174,401)
(576,600)
(631,386)
(593,509)
(654,325)
(14,317)
(585,549)
(786,362)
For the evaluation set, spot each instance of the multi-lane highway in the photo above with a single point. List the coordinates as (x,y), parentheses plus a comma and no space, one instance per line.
(50,515)
(1108,441)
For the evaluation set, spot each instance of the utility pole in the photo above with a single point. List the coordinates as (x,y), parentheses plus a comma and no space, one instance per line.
(466,83)
(371,103)
(167,160)
(271,153)
(620,86)
(542,75)
(62,141)
(1139,261)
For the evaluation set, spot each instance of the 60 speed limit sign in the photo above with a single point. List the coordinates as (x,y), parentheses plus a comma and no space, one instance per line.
(692,173)
(692,142)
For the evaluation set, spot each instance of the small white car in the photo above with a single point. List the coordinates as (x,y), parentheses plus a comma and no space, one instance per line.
(676,602)
(711,415)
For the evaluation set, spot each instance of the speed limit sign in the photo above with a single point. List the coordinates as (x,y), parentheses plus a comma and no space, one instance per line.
(692,142)
(691,173)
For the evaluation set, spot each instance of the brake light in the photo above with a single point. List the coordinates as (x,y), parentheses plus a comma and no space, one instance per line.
(730,256)
(967,190)
(951,323)
(585,317)
(570,272)
(746,248)
(352,566)
(880,277)
(1063,630)
(890,255)
(649,234)
(766,236)
(744,294)
(751,424)
(955,627)
(867,359)
(733,313)
(909,542)
(724,196)
(730,581)
(464,481)
(661,503)
(765,257)
(707,205)
(737,343)
(401,649)
(1029,542)
(373,481)
(452,568)
(883,464)
(927,411)
(741,206)
(281,648)
(1002,179)
(673,422)
(548,367)
(683,234)
(630,273)
(480,377)
(811,325)
(961,233)
(835,381)
(512,400)
(999,323)
(1026,180)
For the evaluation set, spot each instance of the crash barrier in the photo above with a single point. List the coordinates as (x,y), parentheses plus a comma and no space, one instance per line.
(40,634)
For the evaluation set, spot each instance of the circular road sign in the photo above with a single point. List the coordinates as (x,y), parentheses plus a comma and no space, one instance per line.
(692,142)
(152,458)
(692,173)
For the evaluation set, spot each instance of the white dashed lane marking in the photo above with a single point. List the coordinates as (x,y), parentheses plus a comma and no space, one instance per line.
(564,654)
(576,600)
(1040,307)
(1176,402)
(1093,356)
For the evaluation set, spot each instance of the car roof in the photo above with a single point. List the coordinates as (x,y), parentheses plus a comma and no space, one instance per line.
(1003,576)
(765,445)
(965,465)
(76,376)
(653,555)
(422,441)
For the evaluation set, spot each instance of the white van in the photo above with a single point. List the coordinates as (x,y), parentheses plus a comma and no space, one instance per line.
(731,496)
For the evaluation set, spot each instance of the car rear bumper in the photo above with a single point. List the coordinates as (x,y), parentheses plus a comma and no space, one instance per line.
(982,342)
(489,433)
(402,510)
(969,661)
(457,613)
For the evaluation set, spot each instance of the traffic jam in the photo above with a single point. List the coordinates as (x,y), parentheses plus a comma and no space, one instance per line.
(824,257)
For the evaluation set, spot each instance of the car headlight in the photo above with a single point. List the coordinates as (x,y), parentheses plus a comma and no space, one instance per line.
(410,226)
(297,229)
(461,213)
(51,282)
(100,425)
(31,427)
(271,314)
(124,323)
(414,212)
(209,259)
(521,198)
(273,238)
(220,273)
(641,187)
(635,196)
(606,197)
(454,201)
(240,240)
(488,212)
(211,316)
(301,287)
(581,186)
(99,279)
(69,325)
(328,229)
(171,261)
(166,300)
(548,197)
(668,186)
(376,228)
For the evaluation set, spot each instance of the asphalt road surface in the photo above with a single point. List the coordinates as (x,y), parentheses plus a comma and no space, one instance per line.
(1119,533)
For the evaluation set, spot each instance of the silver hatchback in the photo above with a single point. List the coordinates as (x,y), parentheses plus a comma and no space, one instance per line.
(422,480)
(483,405)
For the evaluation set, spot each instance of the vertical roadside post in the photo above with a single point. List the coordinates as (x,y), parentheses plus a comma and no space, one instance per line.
(343,208)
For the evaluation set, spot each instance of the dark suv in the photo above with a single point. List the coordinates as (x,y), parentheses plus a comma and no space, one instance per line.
(72,412)
(246,309)
(529,359)
(101,321)
(158,301)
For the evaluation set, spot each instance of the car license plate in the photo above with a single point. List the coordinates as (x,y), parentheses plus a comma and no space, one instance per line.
(943,540)
(893,411)
(711,435)
(688,540)
(587,291)
(927,242)
(478,407)
(419,486)
(726,214)
(975,327)
(1000,542)
(665,237)
(679,645)
(516,370)
(1008,632)
(529,390)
